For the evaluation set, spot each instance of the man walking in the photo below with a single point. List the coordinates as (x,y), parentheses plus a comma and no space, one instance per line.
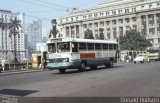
(3,64)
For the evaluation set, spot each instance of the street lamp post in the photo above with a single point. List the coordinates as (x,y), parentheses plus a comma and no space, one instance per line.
(27,57)
(40,49)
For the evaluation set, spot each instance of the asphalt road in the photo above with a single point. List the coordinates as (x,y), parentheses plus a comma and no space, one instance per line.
(125,79)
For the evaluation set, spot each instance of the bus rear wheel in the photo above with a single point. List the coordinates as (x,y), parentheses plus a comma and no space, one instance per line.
(62,70)
(110,65)
(82,67)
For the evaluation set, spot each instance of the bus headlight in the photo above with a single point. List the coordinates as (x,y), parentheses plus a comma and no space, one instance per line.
(66,60)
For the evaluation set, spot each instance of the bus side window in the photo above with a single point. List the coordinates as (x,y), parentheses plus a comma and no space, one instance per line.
(98,46)
(82,46)
(90,46)
(74,47)
(105,46)
(50,48)
(110,47)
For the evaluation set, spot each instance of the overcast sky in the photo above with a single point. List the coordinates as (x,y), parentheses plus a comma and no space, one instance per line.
(45,9)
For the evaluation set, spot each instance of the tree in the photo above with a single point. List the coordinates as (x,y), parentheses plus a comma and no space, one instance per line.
(133,40)
(88,34)
(15,24)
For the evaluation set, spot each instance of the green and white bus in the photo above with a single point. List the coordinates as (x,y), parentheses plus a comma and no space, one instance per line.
(71,53)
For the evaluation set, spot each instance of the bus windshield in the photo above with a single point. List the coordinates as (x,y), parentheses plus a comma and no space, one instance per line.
(63,47)
(51,48)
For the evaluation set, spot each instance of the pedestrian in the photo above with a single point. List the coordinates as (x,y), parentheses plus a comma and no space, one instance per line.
(44,64)
(3,64)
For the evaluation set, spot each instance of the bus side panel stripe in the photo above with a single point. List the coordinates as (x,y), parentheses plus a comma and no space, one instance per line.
(87,55)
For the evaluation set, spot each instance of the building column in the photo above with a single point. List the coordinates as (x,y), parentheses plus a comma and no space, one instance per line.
(124,26)
(156,33)
(147,27)
(155,25)
(139,23)
(81,34)
(105,30)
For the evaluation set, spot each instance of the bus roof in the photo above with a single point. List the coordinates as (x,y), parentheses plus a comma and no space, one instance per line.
(81,40)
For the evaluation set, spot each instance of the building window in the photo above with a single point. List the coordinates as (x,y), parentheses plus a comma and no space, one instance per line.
(108,35)
(128,28)
(90,16)
(158,4)
(127,10)
(127,20)
(108,13)
(121,31)
(114,12)
(150,6)
(108,29)
(134,27)
(96,24)
(143,18)
(90,25)
(84,17)
(134,19)
(120,21)
(114,22)
(67,31)
(101,24)
(96,34)
(151,17)
(77,31)
(76,18)
(95,15)
(101,14)
(120,11)
(85,26)
(108,22)
(114,32)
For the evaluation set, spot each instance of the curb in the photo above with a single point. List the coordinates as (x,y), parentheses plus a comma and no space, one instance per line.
(19,72)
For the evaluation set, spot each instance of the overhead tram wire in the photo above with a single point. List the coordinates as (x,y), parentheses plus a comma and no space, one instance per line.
(42,18)
(49,3)
(42,5)
(87,3)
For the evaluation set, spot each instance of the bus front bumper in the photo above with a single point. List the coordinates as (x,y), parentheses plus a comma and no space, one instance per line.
(64,65)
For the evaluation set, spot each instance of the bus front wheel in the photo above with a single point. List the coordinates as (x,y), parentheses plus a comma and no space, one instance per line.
(82,67)
(62,70)
(94,67)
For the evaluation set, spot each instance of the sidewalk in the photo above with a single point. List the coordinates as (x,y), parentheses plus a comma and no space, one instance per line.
(10,72)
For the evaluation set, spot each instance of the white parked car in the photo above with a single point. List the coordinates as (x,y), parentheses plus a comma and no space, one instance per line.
(141,58)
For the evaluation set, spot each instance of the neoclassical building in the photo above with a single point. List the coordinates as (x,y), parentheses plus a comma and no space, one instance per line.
(113,18)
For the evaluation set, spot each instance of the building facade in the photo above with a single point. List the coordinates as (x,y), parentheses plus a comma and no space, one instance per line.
(6,42)
(33,35)
(111,19)
(20,40)
(34,32)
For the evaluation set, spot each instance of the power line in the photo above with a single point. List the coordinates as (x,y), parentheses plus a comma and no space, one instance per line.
(87,3)
(49,3)
(46,19)
(41,5)
(38,11)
